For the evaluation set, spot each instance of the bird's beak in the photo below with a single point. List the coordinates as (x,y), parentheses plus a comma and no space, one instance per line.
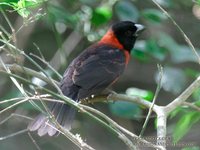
(140,28)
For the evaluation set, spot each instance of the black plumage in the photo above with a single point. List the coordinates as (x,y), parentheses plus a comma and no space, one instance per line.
(96,68)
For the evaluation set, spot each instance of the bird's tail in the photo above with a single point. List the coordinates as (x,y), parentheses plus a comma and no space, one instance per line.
(64,114)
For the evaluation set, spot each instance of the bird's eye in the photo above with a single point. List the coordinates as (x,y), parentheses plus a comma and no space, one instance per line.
(128,33)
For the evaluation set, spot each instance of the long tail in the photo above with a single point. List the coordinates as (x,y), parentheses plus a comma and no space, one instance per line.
(64,115)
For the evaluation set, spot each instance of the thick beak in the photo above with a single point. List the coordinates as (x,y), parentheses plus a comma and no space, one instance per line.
(140,28)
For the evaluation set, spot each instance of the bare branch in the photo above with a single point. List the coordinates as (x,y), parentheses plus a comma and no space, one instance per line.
(179,28)
(115,125)
(13,134)
(154,100)
(191,105)
(161,126)
(34,142)
(20,69)
(184,96)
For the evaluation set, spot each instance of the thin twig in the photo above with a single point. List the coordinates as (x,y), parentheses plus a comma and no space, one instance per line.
(115,125)
(20,69)
(34,63)
(154,100)
(34,142)
(71,103)
(20,89)
(183,96)
(48,65)
(13,134)
(8,21)
(13,105)
(14,115)
(179,28)
(191,105)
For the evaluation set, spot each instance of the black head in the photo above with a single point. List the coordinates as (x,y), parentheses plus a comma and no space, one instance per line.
(127,33)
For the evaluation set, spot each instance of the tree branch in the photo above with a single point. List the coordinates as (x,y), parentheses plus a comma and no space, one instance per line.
(20,69)
(183,97)
(161,126)
(191,105)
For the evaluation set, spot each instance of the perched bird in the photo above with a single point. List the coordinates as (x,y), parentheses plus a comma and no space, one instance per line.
(91,72)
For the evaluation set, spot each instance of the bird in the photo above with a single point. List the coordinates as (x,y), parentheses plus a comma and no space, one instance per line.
(91,72)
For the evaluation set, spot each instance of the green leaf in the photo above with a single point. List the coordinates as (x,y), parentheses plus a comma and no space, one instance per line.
(144,50)
(27,106)
(192,73)
(59,14)
(101,15)
(175,112)
(125,109)
(153,15)
(197,2)
(173,80)
(191,148)
(184,125)
(88,2)
(23,7)
(126,11)
(139,51)
(155,50)
(178,53)
(197,103)
(9,1)
(139,54)
(145,94)
(196,95)
(185,52)
(14,92)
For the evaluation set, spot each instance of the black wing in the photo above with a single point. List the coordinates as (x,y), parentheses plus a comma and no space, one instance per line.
(97,68)
(90,73)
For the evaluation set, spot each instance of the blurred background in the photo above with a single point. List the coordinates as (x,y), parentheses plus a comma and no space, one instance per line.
(62,29)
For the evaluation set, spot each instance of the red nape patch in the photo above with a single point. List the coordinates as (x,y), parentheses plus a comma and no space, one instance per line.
(110,39)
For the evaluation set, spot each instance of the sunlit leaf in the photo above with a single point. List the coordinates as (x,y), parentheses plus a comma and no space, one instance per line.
(126,11)
(173,80)
(101,15)
(184,125)
(145,94)
(153,15)
(23,7)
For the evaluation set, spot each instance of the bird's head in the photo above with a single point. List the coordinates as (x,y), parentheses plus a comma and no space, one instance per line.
(127,32)
(123,34)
